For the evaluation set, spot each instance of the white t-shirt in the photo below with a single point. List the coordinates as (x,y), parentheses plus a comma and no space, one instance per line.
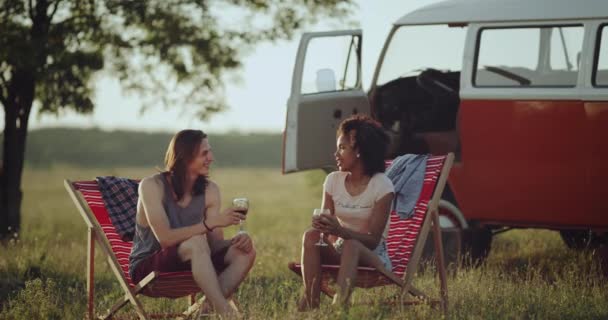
(354,212)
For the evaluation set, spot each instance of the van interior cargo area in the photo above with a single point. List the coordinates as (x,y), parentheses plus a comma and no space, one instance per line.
(419,112)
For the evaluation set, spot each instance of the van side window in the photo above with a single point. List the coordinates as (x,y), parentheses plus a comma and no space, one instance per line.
(332,64)
(601,67)
(544,56)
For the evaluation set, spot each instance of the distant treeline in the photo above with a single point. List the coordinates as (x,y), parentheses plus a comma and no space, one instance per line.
(98,148)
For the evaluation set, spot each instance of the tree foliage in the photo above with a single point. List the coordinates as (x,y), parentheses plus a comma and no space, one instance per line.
(173,51)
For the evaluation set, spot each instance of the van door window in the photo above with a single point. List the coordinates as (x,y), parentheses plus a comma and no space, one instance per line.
(332,64)
(544,56)
(601,67)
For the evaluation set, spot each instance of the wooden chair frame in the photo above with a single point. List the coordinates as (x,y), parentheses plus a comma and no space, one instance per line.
(431,221)
(96,235)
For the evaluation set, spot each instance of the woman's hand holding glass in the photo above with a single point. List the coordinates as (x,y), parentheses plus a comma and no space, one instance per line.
(329,224)
(317,223)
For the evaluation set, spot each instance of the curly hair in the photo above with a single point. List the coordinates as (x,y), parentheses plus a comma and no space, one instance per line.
(370,139)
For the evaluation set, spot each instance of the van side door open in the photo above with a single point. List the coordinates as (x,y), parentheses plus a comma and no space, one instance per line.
(326,88)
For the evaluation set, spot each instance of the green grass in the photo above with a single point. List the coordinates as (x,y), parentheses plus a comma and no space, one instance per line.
(530,274)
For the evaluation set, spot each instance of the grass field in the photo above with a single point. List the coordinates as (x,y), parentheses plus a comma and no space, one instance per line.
(530,274)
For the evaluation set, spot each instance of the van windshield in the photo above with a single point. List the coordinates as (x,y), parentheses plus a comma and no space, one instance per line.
(413,49)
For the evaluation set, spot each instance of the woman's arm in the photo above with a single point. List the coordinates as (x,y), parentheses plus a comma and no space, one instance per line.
(151,194)
(379,217)
(328,202)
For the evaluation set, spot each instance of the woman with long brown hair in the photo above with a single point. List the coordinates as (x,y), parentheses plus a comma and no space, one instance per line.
(179,224)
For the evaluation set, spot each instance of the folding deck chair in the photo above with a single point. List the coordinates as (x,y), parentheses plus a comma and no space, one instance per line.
(405,241)
(88,200)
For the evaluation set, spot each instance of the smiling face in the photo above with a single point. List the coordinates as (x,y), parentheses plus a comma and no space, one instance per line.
(201,161)
(346,153)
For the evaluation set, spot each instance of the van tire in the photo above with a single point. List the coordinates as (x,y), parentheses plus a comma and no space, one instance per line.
(582,239)
(476,245)
(452,224)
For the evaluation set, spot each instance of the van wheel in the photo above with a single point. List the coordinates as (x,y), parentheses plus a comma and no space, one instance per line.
(476,244)
(461,239)
(582,239)
(452,224)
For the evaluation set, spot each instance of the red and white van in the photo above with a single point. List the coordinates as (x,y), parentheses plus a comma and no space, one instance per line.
(517,89)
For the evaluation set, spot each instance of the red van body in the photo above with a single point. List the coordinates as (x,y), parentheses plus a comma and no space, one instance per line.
(518,92)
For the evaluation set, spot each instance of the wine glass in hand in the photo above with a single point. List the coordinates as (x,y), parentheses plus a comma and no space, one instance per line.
(316,213)
(241,205)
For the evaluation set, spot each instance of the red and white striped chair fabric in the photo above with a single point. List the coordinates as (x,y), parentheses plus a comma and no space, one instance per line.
(166,284)
(402,235)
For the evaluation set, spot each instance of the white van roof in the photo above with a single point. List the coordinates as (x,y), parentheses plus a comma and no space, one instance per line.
(467,11)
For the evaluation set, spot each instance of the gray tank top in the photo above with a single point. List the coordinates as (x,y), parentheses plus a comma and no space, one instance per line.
(145,243)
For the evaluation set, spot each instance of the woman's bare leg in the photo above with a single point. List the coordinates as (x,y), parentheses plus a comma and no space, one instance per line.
(369,258)
(196,250)
(349,261)
(356,254)
(311,268)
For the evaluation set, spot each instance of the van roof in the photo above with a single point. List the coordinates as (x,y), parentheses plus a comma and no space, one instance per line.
(467,11)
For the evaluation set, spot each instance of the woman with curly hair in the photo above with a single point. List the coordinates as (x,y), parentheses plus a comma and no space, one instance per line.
(359,197)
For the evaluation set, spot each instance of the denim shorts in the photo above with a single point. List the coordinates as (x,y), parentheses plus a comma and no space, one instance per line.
(381,251)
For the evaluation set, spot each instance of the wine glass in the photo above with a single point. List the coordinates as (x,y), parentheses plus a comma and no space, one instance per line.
(241,205)
(316,213)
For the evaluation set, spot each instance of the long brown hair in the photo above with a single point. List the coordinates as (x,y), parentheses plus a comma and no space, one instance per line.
(182,149)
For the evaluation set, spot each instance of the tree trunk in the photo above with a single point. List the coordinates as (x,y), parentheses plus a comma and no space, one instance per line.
(17,107)
(17,111)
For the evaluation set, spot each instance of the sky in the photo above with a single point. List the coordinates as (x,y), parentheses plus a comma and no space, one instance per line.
(257,101)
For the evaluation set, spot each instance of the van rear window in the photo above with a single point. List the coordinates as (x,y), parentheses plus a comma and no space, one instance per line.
(601,67)
(540,56)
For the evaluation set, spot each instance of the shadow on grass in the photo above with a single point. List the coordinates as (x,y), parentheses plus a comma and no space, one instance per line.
(61,294)
(46,291)
(553,265)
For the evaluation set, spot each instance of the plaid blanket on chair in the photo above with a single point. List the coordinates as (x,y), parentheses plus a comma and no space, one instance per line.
(120,197)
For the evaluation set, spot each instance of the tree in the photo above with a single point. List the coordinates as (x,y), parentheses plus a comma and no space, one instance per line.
(174,51)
